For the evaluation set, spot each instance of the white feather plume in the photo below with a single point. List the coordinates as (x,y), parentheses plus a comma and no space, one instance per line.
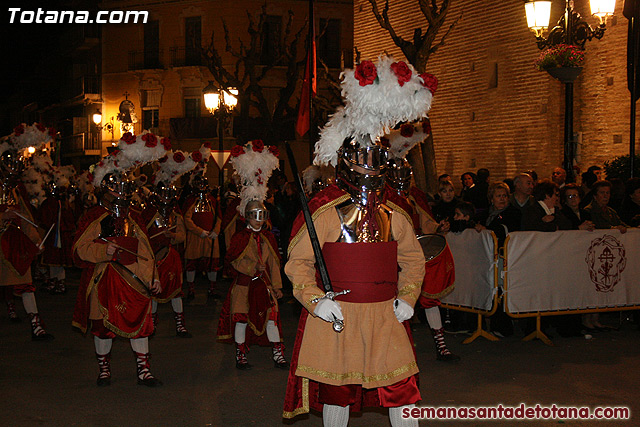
(373,109)
(255,169)
(24,136)
(401,145)
(172,169)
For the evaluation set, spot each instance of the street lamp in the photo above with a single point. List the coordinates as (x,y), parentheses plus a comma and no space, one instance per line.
(570,30)
(220,102)
(97,120)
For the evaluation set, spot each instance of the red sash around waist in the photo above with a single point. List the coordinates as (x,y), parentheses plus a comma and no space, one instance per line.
(203,220)
(369,270)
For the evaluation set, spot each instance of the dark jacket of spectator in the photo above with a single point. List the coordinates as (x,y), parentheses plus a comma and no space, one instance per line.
(532,219)
(573,218)
(501,222)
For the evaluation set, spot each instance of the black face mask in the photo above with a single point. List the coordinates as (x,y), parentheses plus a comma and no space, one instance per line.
(459,225)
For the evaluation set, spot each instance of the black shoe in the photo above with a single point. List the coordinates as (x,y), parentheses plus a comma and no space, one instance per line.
(150,382)
(41,337)
(183,334)
(243,366)
(281,365)
(190,296)
(103,382)
(213,294)
(449,357)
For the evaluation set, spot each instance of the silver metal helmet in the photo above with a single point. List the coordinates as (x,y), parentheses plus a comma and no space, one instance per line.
(256,210)
(361,167)
(399,174)
(12,164)
(122,187)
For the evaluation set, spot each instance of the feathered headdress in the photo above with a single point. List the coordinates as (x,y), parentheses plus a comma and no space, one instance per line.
(377,97)
(401,141)
(314,173)
(24,136)
(172,166)
(254,163)
(131,153)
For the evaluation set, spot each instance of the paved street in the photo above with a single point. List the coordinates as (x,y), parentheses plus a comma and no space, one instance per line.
(53,383)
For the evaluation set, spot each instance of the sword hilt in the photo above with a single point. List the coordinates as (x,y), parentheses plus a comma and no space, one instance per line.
(338,324)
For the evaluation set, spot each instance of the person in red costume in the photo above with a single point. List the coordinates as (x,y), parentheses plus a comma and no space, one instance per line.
(118,267)
(58,212)
(250,313)
(439,272)
(167,230)
(202,251)
(19,238)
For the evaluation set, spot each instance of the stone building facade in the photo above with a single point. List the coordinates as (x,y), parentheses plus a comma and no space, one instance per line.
(492,108)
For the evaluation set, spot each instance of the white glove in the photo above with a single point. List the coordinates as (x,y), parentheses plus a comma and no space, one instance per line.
(402,310)
(213,235)
(327,310)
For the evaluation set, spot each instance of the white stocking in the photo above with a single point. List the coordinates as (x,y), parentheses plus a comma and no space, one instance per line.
(396,419)
(335,416)
(433,317)
(176,304)
(154,306)
(103,345)
(272,331)
(140,345)
(191,276)
(29,301)
(212,275)
(240,332)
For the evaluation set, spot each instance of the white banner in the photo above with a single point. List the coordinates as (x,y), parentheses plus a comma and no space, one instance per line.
(568,270)
(473,254)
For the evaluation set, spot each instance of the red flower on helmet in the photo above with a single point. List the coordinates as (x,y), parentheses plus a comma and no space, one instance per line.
(257,145)
(207,145)
(366,73)
(237,151)
(18,130)
(274,150)
(90,177)
(178,157)
(430,82)
(426,126)
(101,163)
(129,138)
(196,156)
(402,71)
(150,140)
(166,143)
(384,141)
(115,152)
(406,130)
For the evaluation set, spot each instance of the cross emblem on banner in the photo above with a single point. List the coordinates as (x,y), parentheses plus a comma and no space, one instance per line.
(221,157)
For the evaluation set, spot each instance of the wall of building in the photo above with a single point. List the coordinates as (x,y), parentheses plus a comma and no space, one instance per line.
(518,124)
(174,81)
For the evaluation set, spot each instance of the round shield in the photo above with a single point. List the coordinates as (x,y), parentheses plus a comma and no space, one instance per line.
(432,245)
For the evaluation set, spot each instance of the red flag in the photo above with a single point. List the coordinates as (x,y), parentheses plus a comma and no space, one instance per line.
(304,114)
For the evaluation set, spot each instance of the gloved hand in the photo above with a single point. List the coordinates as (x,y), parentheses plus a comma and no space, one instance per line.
(402,310)
(328,309)
(213,235)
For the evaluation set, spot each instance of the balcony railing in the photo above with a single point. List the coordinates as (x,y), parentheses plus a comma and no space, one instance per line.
(200,127)
(81,144)
(145,60)
(182,57)
(80,87)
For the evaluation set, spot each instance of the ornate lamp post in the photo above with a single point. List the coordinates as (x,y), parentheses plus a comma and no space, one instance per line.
(220,102)
(108,127)
(570,30)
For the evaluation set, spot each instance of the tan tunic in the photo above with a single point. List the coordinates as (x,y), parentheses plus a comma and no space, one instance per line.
(8,275)
(198,246)
(374,349)
(247,263)
(96,253)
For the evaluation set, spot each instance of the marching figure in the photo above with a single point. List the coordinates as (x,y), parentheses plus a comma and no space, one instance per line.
(371,362)
(166,230)
(57,212)
(203,220)
(250,313)
(439,270)
(19,237)
(113,249)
